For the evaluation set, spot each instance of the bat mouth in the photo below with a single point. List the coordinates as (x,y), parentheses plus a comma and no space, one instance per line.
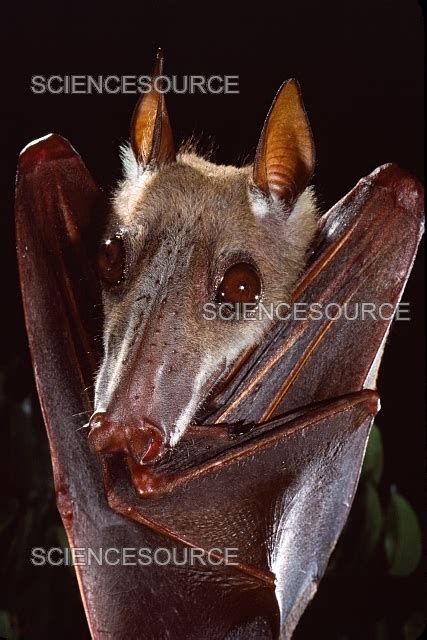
(142,441)
(217,385)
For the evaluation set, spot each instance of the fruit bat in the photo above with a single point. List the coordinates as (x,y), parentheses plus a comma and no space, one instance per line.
(267,458)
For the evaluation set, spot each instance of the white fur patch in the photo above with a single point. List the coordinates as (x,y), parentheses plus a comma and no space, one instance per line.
(186,415)
(259,204)
(129,163)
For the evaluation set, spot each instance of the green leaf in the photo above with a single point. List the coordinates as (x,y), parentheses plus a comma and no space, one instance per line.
(380,630)
(372,520)
(374,456)
(62,539)
(402,536)
(415,626)
(6,630)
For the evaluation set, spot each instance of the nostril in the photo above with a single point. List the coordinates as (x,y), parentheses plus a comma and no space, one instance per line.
(103,436)
(97,419)
(143,441)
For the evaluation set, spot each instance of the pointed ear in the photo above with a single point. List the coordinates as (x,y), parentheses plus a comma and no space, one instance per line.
(151,133)
(284,160)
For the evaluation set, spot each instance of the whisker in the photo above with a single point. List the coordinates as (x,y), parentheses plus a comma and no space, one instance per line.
(82,413)
(85,426)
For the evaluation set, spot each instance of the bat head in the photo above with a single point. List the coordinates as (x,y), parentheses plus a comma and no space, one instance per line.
(190,245)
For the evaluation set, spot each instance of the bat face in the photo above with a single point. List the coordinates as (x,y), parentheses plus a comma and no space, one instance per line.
(189,248)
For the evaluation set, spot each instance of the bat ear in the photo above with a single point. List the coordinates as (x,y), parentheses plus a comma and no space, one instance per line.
(284,160)
(151,133)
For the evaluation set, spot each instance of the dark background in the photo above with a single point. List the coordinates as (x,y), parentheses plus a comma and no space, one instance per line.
(360,66)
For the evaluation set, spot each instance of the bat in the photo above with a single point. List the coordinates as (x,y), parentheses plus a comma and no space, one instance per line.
(270,462)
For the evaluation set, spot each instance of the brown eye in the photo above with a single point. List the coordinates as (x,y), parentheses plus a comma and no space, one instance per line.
(240,284)
(111,260)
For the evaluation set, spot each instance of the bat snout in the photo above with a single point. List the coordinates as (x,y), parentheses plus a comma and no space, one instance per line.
(141,440)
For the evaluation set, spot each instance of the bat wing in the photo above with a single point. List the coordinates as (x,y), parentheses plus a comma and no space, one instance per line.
(271,473)
(364,254)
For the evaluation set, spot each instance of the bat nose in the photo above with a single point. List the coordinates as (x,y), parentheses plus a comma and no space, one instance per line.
(141,440)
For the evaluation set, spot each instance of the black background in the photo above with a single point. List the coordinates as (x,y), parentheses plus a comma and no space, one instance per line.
(361,70)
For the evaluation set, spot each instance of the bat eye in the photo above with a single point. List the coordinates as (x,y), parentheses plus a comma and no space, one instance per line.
(240,284)
(111,260)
